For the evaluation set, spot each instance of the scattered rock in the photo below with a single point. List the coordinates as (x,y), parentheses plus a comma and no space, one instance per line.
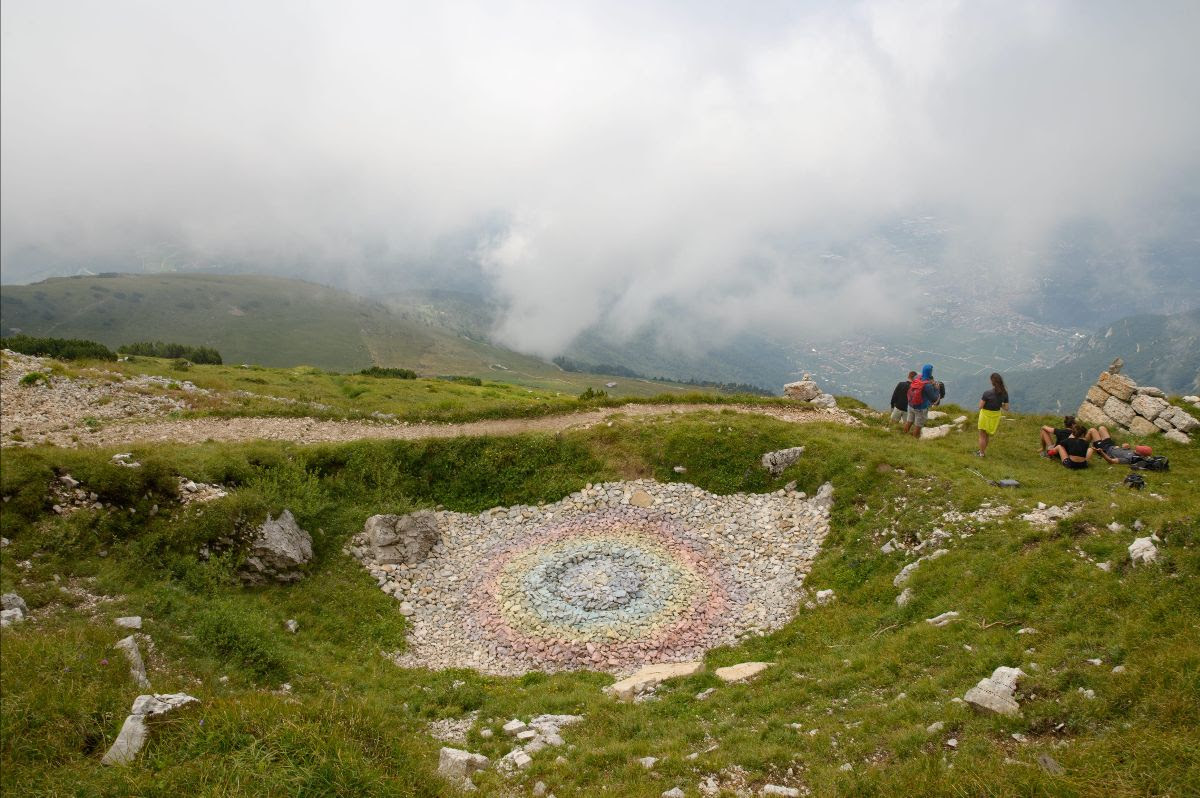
(9,617)
(934,728)
(825,400)
(292,625)
(137,668)
(1047,763)
(129,622)
(775,462)
(905,597)
(825,597)
(648,762)
(401,538)
(679,470)
(515,759)
(674,792)
(514,727)
(12,601)
(278,551)
(1143,550)
(457,766)
(995,694)
(943,619)
(1087,693)
(741,672)
(705,693)
(135,729)
(775,789)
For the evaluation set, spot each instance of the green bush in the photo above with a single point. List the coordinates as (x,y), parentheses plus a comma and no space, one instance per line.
(463,380)
(399,374)
(591,394)
(33,378)
(180,365)
(60,348)
(201,355)
(241,638)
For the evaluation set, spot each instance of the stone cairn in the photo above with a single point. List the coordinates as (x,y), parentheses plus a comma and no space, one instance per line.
(807,390)
(1120,404)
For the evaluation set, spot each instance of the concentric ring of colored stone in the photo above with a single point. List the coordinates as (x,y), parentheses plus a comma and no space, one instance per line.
(610,586)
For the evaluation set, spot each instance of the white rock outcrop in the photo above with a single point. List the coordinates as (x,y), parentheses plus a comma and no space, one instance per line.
(135,730)
(457,766)
(278,551)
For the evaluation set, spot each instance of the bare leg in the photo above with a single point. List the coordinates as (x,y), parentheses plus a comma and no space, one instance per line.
(1060,451)
(916,432)
(983,442)
(1047,435)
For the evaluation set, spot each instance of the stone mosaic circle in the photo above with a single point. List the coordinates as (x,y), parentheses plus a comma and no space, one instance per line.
(609,578)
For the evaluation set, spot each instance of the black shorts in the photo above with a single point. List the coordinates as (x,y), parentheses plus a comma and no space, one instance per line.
(1104,445)
(1069,463)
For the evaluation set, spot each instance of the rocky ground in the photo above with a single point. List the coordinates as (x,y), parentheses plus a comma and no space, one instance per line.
(106,409)
(609,578)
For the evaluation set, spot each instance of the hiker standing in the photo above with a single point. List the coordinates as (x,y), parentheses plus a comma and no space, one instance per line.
(900,399)
(990,404)
(922,393)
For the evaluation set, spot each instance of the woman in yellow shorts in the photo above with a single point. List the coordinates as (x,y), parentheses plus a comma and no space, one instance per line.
(990,405)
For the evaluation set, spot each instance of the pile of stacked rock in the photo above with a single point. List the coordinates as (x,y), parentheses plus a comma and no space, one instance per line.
(807,390)
(1120,404)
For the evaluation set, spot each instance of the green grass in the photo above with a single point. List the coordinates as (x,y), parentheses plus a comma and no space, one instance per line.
(316,393)
(867,675)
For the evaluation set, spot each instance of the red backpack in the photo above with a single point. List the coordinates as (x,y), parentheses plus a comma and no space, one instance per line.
(916,391)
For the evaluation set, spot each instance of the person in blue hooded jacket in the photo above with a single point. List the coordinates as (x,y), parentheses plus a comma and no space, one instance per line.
(923,393)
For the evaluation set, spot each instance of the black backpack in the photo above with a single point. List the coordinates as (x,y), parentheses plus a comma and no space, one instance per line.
(1155,463)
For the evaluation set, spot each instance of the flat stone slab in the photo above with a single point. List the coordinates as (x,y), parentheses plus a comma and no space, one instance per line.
(742,671)
(995,694)
(651,676)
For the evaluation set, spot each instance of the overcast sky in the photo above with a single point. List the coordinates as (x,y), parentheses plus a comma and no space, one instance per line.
(599,159)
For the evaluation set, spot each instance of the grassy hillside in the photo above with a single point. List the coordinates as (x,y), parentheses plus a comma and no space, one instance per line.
(1157,350)
(274,321)
(862,677)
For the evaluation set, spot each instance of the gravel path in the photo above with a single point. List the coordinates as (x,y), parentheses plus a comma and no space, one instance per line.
(97,412)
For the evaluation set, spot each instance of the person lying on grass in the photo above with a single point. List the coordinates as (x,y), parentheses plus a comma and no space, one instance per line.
(1074,452)
(1110,451)
(1053,436)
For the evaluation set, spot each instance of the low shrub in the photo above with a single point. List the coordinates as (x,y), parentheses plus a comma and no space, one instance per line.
(202,355)
(60,348)
(398,374)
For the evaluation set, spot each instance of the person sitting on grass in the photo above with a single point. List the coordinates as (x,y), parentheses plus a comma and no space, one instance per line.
(1110,451)
(1074,452)
(1053,436)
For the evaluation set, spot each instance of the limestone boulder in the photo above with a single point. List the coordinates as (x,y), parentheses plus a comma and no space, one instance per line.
(1119,411)
(278,552)
(137,668)
(803,391)
(402,538)
(1184,421)
(1097,395)
(1164,425)
(1150,390)
(1091,416)
(1176,436)
(777,461)
(1148,407)
(11,601)
(1118,385)
(1143,550)
(1141,427)
(826,400)
(457,766)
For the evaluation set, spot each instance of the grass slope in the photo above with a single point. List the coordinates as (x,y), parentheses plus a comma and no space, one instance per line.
(274,321)
(862,676)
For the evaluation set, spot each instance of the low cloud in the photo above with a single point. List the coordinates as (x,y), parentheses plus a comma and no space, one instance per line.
(602,164)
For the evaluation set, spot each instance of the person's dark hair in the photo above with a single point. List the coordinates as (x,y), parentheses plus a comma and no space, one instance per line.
(912,375)
(1068,422)
(1078,430)
(998,383)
